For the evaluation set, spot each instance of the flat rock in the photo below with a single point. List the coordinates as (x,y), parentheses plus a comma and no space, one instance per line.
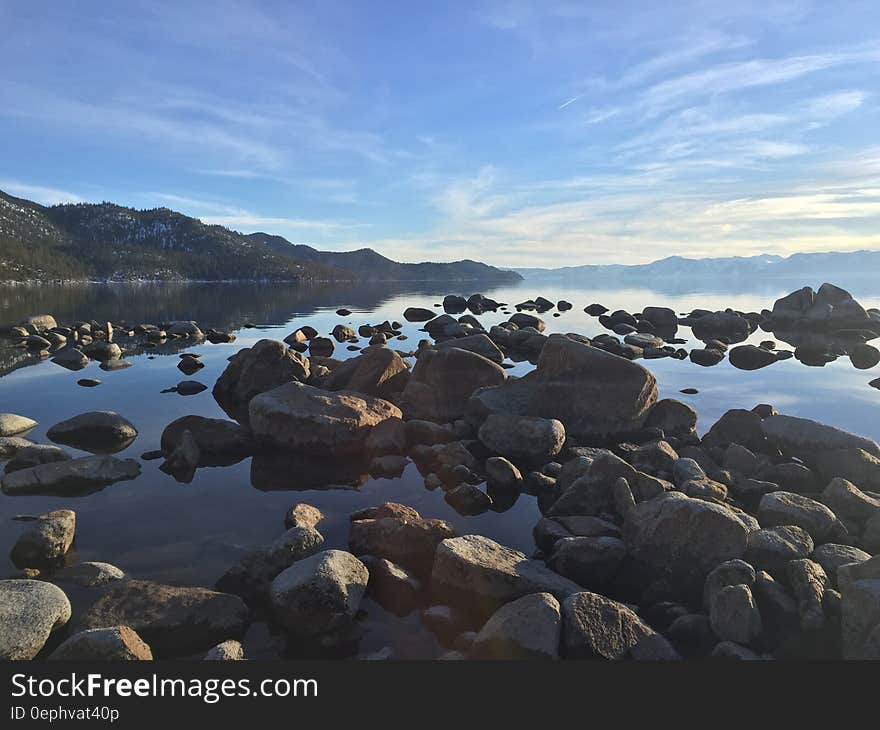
(803,437)
(96,431)
(69,477)
(12,424)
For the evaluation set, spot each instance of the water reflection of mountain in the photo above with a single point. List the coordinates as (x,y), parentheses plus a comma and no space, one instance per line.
(223,306)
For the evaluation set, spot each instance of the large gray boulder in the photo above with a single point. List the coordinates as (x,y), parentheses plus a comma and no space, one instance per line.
(683,537)
(113,644)
(30,610)
(97,431)
(254,370)
(856,465)
(526,628)
(70,477)
(734,615)
(443,380)
(308,420)
(596,395)
(320,594)
(595,627)
(479,344)
(479,575)
(804,438)
(859,585)
(848,502)
(527,439)
(173,620)
(45,542)
(788,508)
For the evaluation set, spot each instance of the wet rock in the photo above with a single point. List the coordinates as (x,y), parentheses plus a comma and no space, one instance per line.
(864,356)
(594,394)
(96,431)
(706,356)
(521,320)
(594,310)
(480,575)
(417,314)
(102,350)
(320,594)
(12,424)
(321,347)
(467,499)
(721,324)
(30,611)
(526,628)
(71,358)
(173,620)
(523,438)
(595,627)
(501,474)
(442,382)
(308,420)
(47,541)
(68,477)
(118,643)
(189,365)
(88,382)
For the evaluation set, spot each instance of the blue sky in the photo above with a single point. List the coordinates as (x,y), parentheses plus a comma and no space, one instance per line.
(515,132)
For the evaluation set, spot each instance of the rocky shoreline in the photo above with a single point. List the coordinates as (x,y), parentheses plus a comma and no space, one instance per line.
(760,540)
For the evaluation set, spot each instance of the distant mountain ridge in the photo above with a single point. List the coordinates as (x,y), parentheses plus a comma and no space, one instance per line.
(108,242)
(764,265)
(370,265)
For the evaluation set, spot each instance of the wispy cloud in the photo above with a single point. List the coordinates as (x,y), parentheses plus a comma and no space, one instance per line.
(39,193)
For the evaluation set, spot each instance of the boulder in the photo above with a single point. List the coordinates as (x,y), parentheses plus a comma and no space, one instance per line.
(251,576)
(589,561)
(856,465)
(808,581)
(173,620)
(69,477)
(595,627)
(479,344)
(96,431)
(751,357)
(34,456)
(683,537)
(88,574)
(526,628)
(254,370)
(523,438)
(443,380)
(308,420)
(480,575)
(848,502)
(30,611)
(788,508)
(113,644)
(734,615)
(377,371)
(803,437)
(860,609)
(673,417)
(831,556)
(217,439)
(418,314)
(594,394)
(47,541)
(731,573)
(320,594)
(771,548)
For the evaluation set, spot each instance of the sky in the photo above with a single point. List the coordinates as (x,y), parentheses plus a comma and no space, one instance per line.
(520,133)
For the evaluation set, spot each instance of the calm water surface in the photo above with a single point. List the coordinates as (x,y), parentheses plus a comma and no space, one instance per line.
(156,528)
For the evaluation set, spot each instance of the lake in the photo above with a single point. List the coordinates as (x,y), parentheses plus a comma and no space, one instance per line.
(156,528)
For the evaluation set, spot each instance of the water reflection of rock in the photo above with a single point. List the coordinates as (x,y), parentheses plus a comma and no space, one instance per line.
(271,471)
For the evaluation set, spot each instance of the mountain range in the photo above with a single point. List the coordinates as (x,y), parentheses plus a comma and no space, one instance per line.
(108,242)
(764,266)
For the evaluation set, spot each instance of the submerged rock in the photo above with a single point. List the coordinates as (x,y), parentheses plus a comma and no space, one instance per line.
(96,431)
(70,477)
(173,620)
